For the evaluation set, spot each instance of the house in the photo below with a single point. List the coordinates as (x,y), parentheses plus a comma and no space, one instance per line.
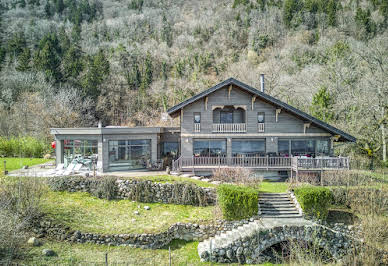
(228,125)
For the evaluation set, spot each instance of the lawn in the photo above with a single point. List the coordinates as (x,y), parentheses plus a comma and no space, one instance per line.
(182,253)
(17,163)
(273,187)
(88,214)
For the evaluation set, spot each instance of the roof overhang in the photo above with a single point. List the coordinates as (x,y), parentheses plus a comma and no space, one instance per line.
(175,111)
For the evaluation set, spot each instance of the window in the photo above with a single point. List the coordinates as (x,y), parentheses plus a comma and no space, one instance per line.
(209,148)
(226,117)
(249,148)
(284,147)
(79,149)
(197,118)
(260,117)
(170,149)
(129,154)
(303,147)
(323,147)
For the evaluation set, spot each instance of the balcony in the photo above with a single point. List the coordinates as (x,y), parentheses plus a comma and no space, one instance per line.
(197,127)
(230,128)
(260,127)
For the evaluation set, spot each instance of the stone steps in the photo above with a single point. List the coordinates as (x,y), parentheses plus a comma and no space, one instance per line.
(277,205)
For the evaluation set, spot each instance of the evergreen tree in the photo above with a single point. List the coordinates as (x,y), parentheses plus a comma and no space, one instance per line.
(72,62)
(363,20)
(290,8)
(64,40)
(60,6)
(97,70)
(17,44)
(148,71)
(76,33)
(321,106)
(47,10)
(48,57)
(166,34)
(24,60)
(22,3)
(332,13)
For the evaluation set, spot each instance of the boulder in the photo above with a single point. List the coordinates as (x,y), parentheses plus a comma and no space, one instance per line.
(48,252)
(33,241)
(147,208)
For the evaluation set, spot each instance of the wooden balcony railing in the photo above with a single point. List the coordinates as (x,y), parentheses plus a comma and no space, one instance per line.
(260,127)
(230,128)
(264,162)
(197,127)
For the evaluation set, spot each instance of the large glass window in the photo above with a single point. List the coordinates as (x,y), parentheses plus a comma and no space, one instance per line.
(284,147)
(250,148)
(323,147)
(79,150)
(170,149)
(129,154)
(303,147)
(209,148)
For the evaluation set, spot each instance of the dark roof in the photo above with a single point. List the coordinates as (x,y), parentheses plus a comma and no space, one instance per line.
(274,101)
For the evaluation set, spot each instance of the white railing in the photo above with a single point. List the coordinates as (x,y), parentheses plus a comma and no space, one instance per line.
(197,127)
(323,163)
(263,162)
(260,127)
(229,128)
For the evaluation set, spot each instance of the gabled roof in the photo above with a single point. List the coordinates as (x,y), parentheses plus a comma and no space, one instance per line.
(335,131)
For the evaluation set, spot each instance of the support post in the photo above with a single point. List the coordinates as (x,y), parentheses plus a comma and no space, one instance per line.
(106,259)
(169,255)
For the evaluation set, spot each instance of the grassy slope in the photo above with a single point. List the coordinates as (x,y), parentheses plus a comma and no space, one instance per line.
(273,187)
(182,253)
(83,212)
(17,163)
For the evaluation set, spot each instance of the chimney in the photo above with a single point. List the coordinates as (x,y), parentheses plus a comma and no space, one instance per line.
(262,83)
(99,124)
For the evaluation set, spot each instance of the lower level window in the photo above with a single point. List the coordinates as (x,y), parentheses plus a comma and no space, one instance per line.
(209,148)
(170,149)
(250,148)
(303,147)
(129,154)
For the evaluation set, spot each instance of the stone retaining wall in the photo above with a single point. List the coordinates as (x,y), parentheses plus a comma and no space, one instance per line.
(142,191)
(188,232)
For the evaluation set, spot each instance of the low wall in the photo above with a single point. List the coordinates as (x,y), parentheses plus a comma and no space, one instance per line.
(142,191)
(188,232)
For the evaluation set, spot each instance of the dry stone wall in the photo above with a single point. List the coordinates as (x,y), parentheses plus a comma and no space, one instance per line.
(142,191)
(188,232)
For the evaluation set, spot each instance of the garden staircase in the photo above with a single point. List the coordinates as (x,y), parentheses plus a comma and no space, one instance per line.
(277,205)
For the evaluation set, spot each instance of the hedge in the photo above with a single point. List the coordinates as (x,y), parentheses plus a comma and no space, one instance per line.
(237,202)
(314,201)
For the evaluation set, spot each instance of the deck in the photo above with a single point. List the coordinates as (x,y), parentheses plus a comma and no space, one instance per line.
(262,163)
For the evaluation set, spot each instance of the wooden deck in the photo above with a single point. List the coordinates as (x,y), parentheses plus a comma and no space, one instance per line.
(262,163)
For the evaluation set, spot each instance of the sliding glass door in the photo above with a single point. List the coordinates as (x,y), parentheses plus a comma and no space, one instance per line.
(248,148)
(129,154)
(209,148)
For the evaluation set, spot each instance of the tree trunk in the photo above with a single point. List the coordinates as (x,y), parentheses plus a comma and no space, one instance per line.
(384,142)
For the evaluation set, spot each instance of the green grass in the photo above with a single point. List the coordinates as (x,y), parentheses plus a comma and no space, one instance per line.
(17,163)
(273,187)
(88,214)
(174,179)
(182,253)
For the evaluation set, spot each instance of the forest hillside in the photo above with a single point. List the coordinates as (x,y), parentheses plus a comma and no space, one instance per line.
(70,63)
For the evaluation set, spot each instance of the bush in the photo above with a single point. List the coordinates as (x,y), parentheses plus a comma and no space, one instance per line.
(314,201)
(237,202)
(23,146)
(104,188)
(237,175)
(19,208)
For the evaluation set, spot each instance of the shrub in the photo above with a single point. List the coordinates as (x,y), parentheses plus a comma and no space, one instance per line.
(19,208)
(189,194)
(314,201)
(104,188)
(237,202)
(236,175)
